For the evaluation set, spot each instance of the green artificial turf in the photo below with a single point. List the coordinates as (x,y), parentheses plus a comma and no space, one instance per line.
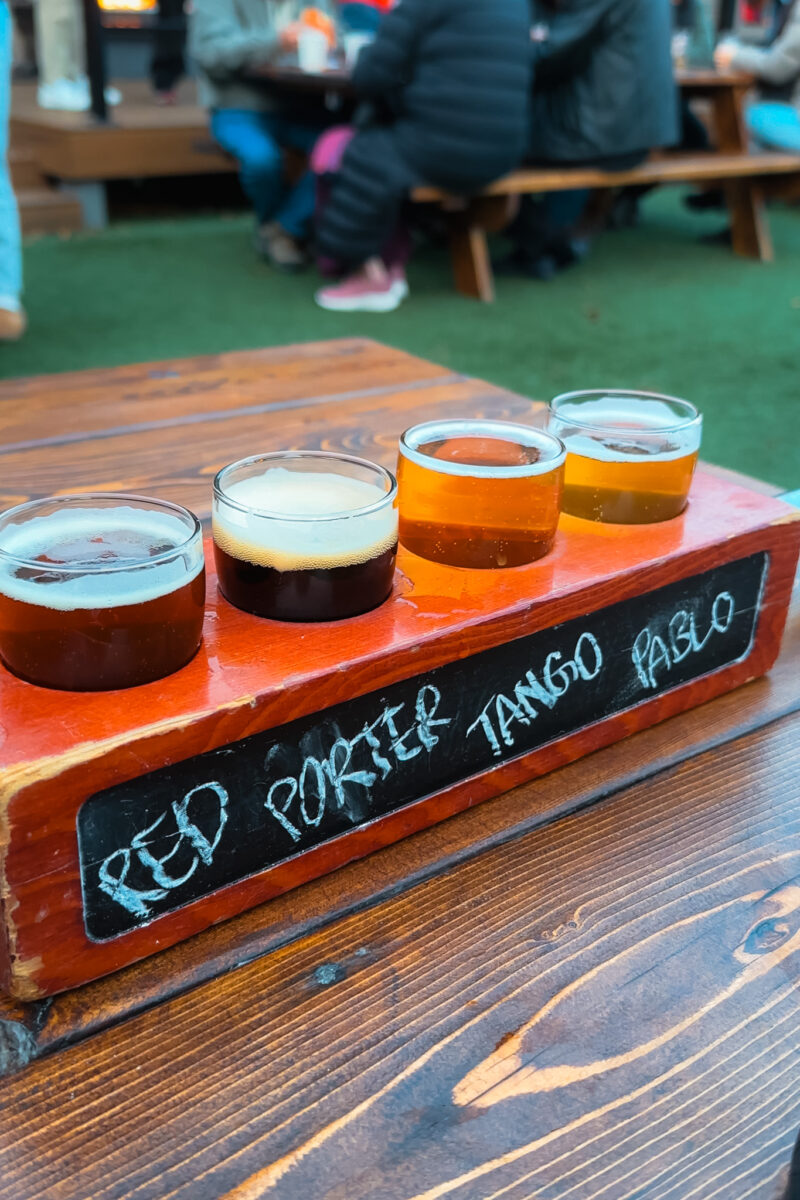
(654,307)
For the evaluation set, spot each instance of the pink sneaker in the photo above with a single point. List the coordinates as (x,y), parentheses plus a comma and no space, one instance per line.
(372,289)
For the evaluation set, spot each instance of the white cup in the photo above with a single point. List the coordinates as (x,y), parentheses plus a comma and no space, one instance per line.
(354,43)
(312,51)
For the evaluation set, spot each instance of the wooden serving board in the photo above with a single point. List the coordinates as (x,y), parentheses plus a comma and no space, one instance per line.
(131,821)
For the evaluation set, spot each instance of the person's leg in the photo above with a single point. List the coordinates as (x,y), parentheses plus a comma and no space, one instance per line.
(52,22)
(530,234)
(397,248)
(563,210)
(247,136)
(296,213)
(169,40)
(775,125)
(12,318)
(358,223)
(366,198)
(76,51)
(547,232)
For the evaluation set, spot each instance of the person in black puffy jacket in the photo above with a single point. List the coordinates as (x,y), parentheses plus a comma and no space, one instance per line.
(449,85)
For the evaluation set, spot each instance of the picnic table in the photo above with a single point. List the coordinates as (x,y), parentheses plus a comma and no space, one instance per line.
(507,1004)
(745,177)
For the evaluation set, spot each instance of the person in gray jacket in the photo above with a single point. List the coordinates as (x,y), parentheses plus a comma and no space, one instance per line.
(229,40)
(775,120)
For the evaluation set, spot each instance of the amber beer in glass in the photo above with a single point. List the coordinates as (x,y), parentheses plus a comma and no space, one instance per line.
(99,591)
(631,456)
(481,494)
(305,536)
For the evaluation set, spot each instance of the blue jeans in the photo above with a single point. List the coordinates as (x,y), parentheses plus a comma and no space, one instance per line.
(10,247)
(775,125)
(255,140)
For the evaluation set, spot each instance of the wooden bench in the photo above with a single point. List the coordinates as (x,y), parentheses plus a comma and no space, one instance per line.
(743,176)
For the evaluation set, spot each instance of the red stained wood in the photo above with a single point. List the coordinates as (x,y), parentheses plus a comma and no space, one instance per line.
(252,675)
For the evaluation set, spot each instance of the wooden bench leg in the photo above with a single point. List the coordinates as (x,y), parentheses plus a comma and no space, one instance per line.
(469,249)
(748,216)
(472,267)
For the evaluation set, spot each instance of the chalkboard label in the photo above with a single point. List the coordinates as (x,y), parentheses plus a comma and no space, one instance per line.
(166,839)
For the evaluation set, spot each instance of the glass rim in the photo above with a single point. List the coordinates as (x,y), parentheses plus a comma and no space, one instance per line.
(696,417)
(307,518)
(105,568)
(531,435)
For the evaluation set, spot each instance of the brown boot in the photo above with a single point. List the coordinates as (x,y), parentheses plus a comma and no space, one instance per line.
(13,324)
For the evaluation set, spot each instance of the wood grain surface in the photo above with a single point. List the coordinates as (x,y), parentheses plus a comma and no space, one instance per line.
(606,1007)
(166,428)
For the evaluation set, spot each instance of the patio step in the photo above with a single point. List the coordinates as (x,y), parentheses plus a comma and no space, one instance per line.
(45,210)
(25,170)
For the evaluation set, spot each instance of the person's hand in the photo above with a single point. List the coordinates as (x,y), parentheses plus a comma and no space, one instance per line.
(289,37)
(724,55)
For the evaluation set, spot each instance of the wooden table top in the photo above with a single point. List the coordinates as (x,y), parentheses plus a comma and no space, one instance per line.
(603,1006)
(338,78)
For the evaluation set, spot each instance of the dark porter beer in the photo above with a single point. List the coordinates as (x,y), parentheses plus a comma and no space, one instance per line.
(306,545)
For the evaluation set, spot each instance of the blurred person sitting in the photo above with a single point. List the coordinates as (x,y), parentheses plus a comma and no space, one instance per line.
(603,96)
(774,121)
(447,82)
(229,40)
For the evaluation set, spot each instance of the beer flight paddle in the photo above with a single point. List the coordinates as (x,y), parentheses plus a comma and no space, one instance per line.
(377,656)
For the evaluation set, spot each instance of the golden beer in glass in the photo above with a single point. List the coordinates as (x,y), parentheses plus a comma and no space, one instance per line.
(631,456)
(480,494)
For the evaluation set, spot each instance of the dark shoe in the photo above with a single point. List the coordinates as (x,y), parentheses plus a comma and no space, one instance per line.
(278,247)
(723,237)
(568,252)
(702,201)
(542,267)
(624,211)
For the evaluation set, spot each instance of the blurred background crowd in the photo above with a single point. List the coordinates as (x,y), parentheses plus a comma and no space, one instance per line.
(454,93)
(222,164)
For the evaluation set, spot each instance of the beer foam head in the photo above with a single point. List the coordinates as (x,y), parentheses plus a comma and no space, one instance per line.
(482,449)
(628,429)
(275,525)
(90,558)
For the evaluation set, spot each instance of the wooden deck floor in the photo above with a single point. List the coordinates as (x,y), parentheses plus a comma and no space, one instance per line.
(140,140)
